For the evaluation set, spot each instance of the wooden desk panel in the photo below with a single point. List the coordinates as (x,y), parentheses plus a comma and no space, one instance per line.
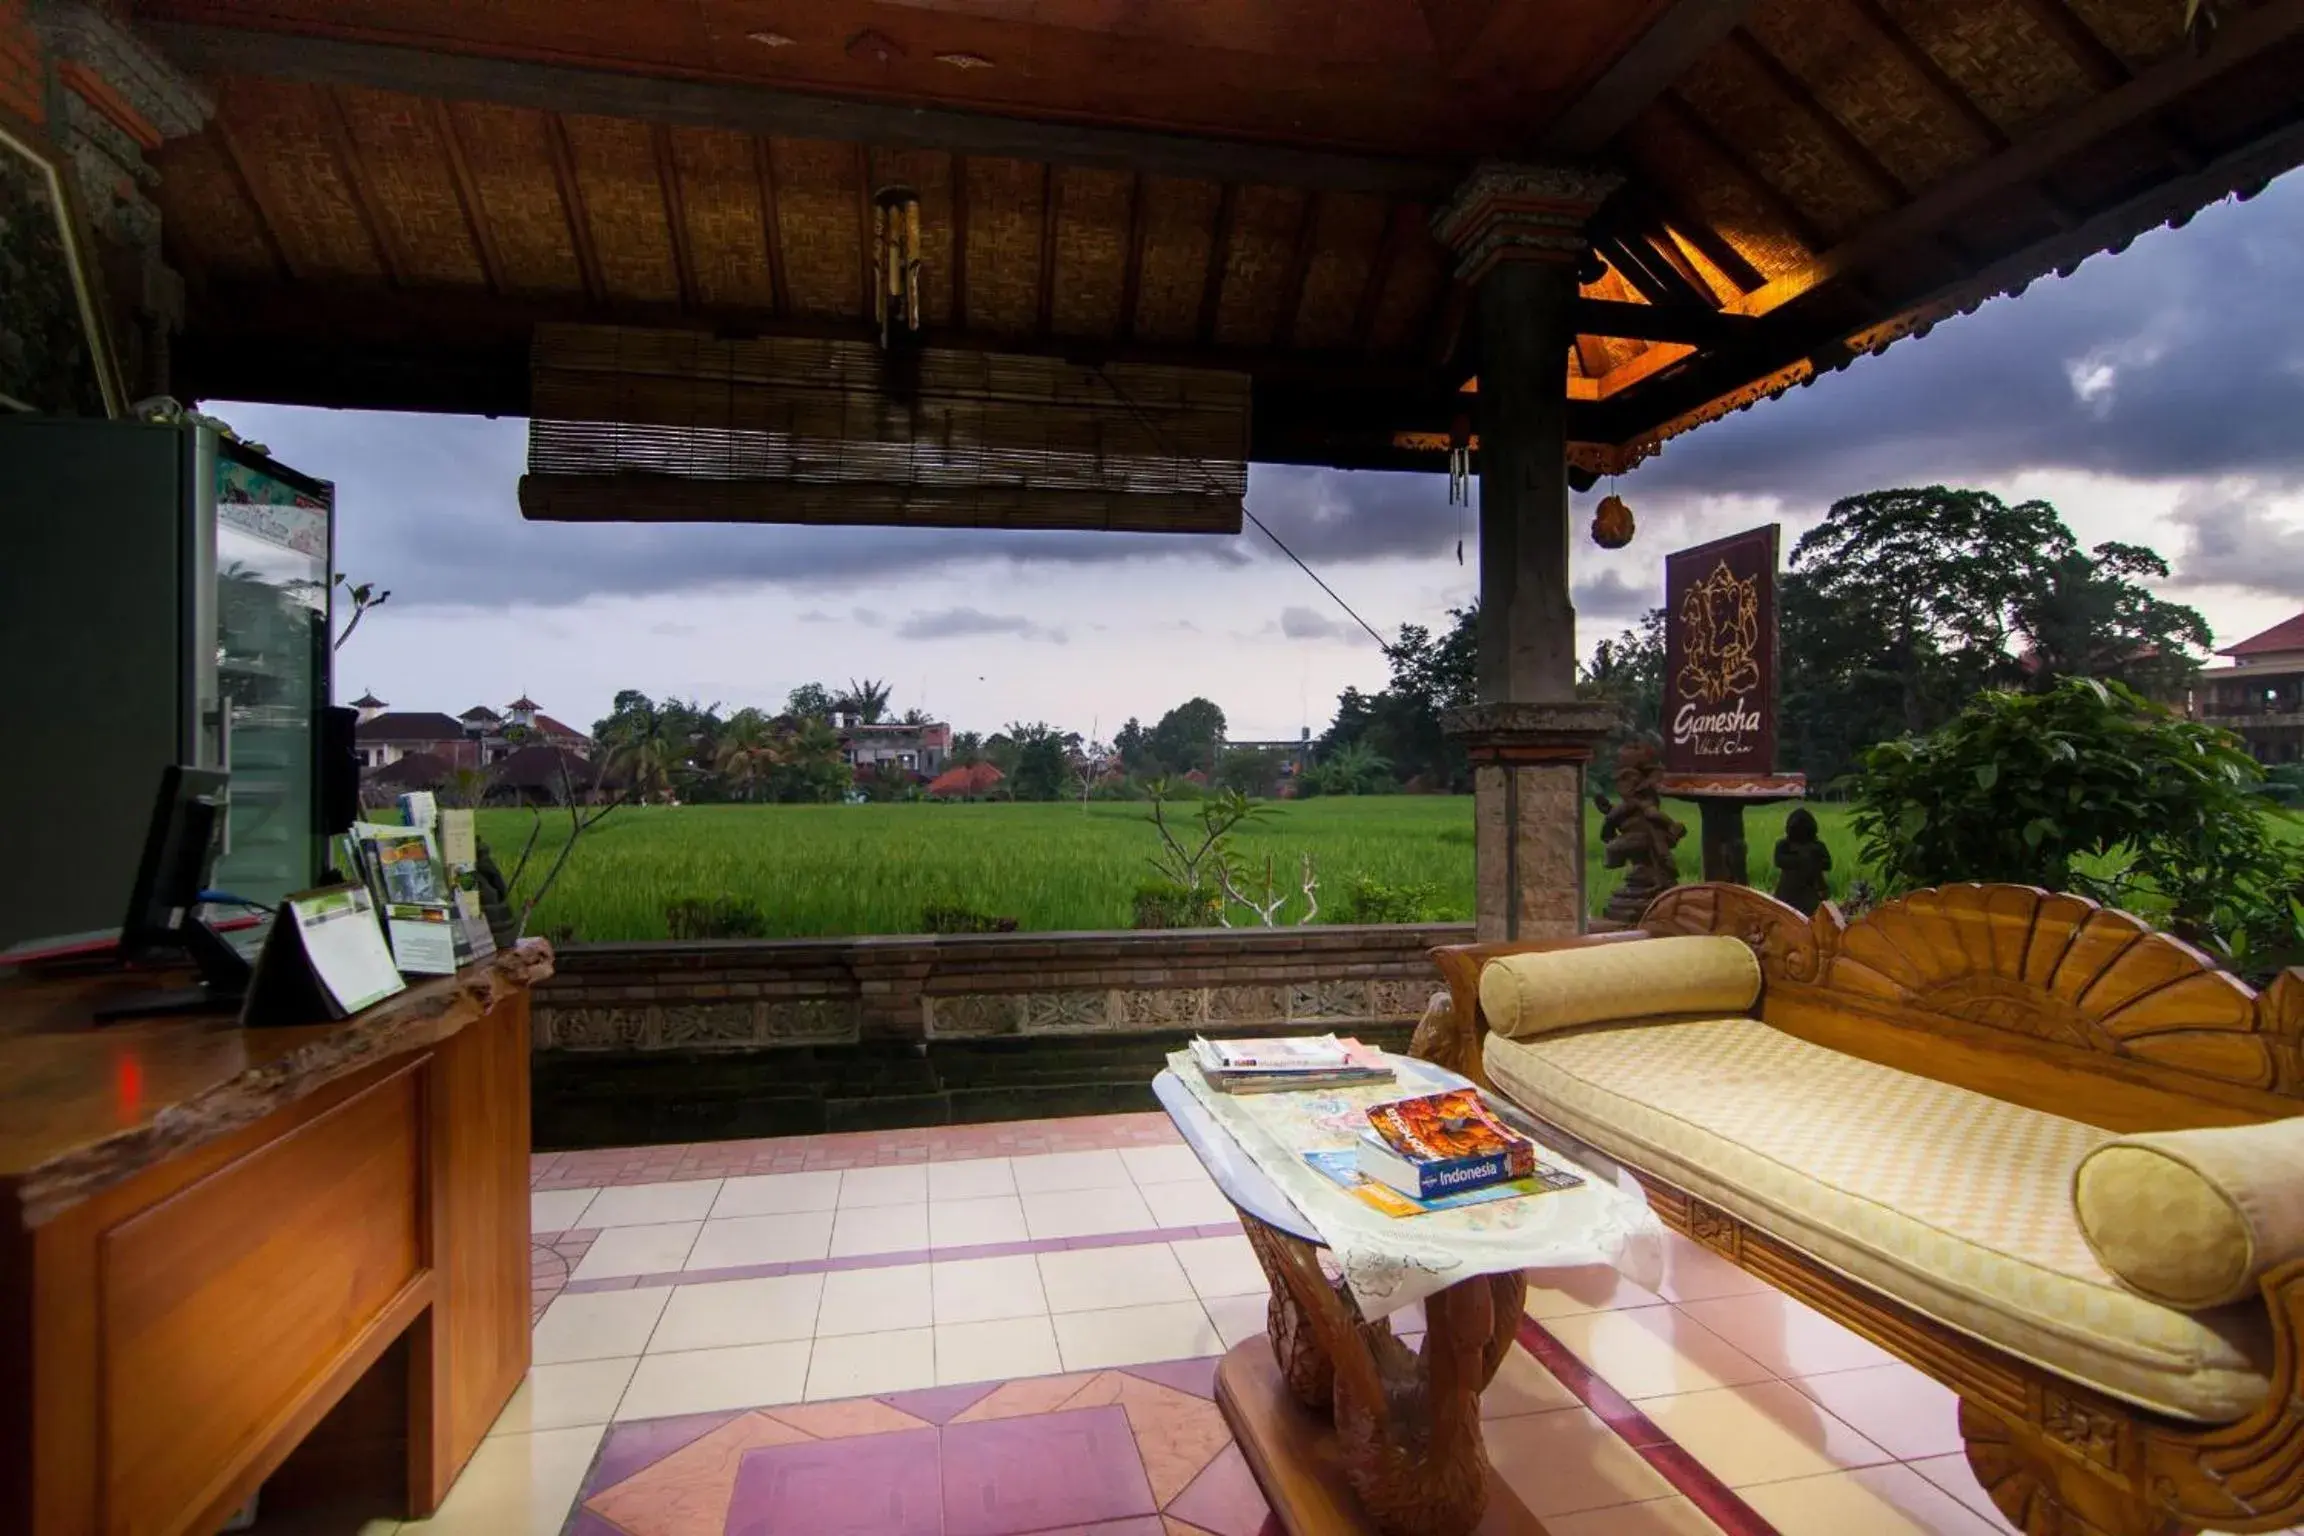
(235,1293)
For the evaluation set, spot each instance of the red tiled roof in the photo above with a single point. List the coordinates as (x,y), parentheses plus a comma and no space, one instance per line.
(523,702)
(2287,635)
(552,727)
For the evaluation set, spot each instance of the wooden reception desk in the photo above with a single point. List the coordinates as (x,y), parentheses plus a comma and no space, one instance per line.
(209,1235)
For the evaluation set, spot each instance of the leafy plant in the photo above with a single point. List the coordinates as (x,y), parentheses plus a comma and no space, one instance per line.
(2088,787)
(1162,903)
(715,917)
(957,917)
(1370,900)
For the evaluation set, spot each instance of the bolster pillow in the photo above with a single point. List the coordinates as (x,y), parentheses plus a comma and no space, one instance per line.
(2190,1219)
(1528,995)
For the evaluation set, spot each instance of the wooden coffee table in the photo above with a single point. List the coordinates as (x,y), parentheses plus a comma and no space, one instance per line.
(1348,1430)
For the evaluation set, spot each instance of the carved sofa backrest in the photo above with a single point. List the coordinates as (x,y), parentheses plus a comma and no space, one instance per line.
(2041,999)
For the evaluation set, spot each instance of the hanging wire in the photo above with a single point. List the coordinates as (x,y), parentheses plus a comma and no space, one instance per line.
(1278,543)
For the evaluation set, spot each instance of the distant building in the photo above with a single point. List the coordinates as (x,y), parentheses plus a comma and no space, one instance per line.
(922,749)
(478,738)
(2260,696)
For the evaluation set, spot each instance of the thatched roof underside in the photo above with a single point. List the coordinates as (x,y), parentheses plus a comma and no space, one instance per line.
(365,224)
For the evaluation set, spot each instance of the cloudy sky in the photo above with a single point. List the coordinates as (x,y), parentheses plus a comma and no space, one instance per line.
(2155,397)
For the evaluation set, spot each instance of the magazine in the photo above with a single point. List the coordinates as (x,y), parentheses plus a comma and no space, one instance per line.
(1342,1168)
(1441,1143)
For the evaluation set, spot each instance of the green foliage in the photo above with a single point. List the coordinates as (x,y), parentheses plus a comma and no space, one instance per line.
(866,701)
(1040,761)
(1402,724)
(1252,770)
(1160,903)
(957,917)
(1627,672)
(2088,787)
(1356,768)
(811,701)
(715,917)
(1186,739)
(1367,899)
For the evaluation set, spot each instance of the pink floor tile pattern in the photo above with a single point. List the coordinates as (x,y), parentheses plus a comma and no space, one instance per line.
(1140,1450)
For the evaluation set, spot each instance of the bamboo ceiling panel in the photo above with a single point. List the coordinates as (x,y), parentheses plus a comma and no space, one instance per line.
(1859,75)
(509,153)
(1007,203)
(1179,229)
(1344,252)
(636,425)
(394,154)
(1091,250)
(625,208)
(820,202)
(716,177)
(296,181)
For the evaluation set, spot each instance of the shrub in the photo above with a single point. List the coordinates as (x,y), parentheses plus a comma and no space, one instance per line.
(715,917)
(1369,900)
(956,917)
(2089,787)
(1166,904)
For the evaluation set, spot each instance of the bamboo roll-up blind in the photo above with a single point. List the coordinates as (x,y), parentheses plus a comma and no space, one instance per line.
(633,425)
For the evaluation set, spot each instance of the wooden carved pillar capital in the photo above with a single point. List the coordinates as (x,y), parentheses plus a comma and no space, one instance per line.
(1521,213)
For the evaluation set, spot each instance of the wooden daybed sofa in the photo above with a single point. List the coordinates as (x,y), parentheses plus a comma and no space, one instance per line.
(1907,1127)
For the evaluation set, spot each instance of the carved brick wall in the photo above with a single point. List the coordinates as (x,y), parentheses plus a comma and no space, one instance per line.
(744,995)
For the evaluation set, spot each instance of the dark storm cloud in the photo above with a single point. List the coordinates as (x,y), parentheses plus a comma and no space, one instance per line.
(959,623)
(1609,597)
(2182,357)
(1299,623)
(2234,545)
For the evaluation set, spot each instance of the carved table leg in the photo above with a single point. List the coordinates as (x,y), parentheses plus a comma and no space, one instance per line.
(1408,1421)
(2066,1481)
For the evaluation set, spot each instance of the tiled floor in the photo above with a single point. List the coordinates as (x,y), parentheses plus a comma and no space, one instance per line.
(1011,1329)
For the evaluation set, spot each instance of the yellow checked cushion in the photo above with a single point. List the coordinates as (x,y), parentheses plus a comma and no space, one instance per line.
(1526,995)
(1955,1204)
(2192,1218)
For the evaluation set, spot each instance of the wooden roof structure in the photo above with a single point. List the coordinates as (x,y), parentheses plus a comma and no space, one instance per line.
(394,193)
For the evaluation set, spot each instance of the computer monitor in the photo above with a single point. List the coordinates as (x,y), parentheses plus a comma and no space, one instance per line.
(180,847)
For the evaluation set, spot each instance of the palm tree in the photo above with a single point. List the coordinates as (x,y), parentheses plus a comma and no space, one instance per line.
(866,701)
(647,748)
(748,753)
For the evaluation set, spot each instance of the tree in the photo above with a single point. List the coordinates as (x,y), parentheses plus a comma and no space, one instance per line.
(1627,672)
(1355,768)
(811,701)
(747,754)
(1186,738)
(866,701)
(2089,618)
(1253,771)
(808,769)
(1043,766)
(967,749)
(1133,744)
(646,747)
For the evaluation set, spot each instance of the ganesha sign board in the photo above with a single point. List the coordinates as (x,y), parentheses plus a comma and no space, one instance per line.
(1720,656)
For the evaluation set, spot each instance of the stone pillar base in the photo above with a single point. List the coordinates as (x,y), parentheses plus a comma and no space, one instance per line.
(1528,813)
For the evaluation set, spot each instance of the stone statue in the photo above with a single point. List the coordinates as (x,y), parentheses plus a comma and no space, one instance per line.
(1635,832)
(1803,859)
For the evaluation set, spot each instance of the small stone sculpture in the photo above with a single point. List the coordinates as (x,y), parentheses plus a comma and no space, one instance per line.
(1803,859)
(1635,832)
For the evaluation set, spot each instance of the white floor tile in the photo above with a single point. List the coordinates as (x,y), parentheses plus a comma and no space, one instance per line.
(996,1351)
(971,1180)
(515,1485)
(1187,1203)
(565,1396)
(982,1290)
(903,1184)
(1162,1165)
(879,1229)
(1879,1501)
(1221,1266)
(1174,1330)
(1084,1212)
(990,1219)
(729,1241)
(865,1363)
(875,1300)
(706,1380)
(557,1210)
(652,1250)
(598,1325)
(777,1194)
(1094,1279)
(728,1312)
(1237,1317)
(640,1205)
(1071,1170)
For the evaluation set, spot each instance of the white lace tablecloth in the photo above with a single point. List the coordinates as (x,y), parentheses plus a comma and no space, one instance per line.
(1390,1261)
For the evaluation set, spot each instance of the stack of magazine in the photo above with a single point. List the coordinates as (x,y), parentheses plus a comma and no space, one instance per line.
(1282,1065)
(421,877)
(1438,1151)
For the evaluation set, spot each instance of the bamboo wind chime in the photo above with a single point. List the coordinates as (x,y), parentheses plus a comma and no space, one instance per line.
(896,260)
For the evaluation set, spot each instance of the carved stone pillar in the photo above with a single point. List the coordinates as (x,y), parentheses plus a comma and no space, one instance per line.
(118,99)
(1518,233)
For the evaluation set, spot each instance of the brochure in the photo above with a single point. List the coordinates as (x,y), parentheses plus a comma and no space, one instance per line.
(324,958)
(460,852)
(424,937)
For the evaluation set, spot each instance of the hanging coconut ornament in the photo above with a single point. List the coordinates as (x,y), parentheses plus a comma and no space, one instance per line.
(1612,523)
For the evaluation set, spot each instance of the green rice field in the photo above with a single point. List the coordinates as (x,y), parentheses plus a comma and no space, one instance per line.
(838,869)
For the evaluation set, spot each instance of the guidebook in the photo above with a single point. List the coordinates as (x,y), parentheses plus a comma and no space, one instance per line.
(1343,1169)
(1441,1143)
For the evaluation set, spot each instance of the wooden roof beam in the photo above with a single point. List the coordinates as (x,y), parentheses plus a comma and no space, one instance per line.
(2245,35)
(468,195)
(675,212)
(1779,205)
(259,209)
(2105,69)
(216,51)
(572,206)
(1645,71)
(1686,323)
(344,150)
